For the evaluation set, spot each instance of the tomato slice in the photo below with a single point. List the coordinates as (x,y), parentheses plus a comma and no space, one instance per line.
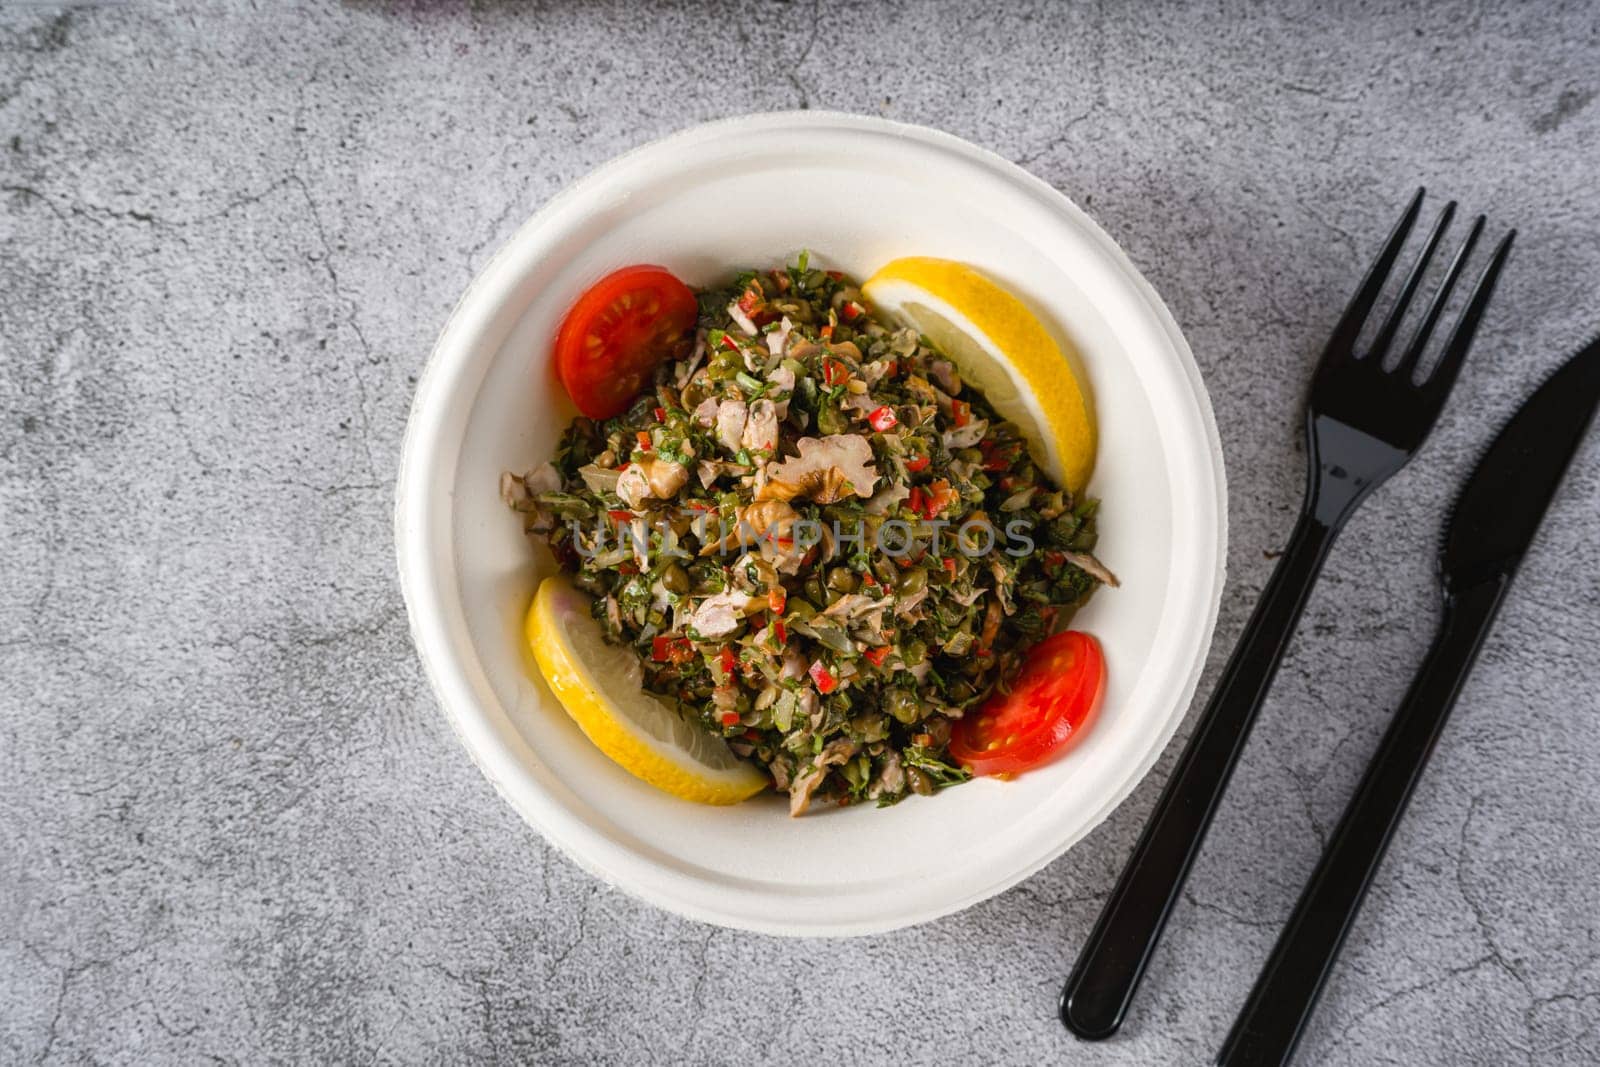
(1051,706)
(616,335)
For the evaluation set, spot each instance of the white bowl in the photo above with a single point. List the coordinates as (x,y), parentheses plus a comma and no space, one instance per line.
(857,192)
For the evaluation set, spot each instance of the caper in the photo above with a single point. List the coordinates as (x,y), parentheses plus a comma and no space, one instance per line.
(904,706)
(725,364)
(815,279)
(912,581)
(921,784)
(799,609)
(842,579)
(705,575)
(593,582)
(814,591)
(675,579)
(913,653)
(868,727)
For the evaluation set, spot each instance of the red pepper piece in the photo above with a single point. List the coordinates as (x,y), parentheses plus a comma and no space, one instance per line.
(994,458)
(825,682)
(667,649)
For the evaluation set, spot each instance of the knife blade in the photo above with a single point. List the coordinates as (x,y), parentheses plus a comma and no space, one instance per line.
(1503,502)
(1494,520)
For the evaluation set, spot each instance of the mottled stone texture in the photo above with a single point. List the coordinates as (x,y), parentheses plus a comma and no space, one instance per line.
(233,823)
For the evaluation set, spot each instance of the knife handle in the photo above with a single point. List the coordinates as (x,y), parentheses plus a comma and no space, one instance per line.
(1279,1006)
(1112,962)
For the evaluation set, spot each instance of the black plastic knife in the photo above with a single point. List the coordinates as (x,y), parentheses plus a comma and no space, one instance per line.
(1493,523)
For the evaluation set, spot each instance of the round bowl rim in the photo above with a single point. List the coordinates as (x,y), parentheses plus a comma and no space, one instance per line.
(415,551)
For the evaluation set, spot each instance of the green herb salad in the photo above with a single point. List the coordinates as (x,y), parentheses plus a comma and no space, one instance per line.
(822,545)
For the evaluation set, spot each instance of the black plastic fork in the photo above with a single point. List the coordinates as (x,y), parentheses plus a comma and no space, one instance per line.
(1363,422)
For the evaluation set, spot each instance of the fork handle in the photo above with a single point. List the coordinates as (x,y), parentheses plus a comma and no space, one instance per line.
(1275,1015)
(1108,971)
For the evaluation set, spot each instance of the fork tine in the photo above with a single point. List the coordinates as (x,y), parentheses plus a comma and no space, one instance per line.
(1437,384)
(1349,328)
(1391,325)
(1408,362)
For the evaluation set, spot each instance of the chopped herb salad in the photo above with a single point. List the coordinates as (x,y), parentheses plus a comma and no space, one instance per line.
(822,545)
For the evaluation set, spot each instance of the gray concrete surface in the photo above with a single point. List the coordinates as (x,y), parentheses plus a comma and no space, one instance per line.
(233,825)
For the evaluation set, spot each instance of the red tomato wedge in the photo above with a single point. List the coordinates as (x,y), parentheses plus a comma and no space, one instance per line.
(1051,706)
(616,335)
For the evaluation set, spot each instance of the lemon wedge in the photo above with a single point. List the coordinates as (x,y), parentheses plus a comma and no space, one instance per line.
(1002,348)
(600,686)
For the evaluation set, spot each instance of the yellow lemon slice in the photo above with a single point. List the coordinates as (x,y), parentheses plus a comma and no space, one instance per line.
(600,686)
(999,346)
